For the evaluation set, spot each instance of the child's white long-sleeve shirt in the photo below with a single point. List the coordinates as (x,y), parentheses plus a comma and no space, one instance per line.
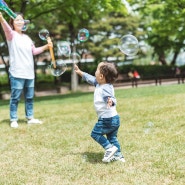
(101,94)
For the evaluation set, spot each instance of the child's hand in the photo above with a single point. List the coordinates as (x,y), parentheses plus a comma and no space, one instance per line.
(77,70)
(109,102)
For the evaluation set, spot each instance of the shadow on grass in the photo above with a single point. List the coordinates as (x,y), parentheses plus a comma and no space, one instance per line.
(7,121)
(51,97)
(92,157)
(64,96)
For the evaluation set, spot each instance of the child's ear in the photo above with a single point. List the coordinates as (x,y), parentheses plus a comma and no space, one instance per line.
(101,76)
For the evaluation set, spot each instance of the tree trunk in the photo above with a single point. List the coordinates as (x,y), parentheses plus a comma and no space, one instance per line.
(74,76)
(162,59)
(174,58)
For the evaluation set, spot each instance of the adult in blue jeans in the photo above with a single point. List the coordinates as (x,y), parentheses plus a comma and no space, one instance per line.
(106,129)
(21,70)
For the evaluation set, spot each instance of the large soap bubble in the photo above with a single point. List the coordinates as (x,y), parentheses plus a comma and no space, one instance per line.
(129,45)
(59,68)
(64,48)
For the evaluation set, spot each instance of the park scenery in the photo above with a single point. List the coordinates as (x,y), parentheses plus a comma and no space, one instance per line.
(145,40)
(61,151)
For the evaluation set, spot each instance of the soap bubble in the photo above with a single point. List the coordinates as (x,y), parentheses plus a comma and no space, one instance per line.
(64,48)
(43,34)
(83,35)
(129,45)
(59,68)
(75,57)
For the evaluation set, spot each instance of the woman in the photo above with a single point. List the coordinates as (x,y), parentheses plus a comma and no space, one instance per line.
(21,71)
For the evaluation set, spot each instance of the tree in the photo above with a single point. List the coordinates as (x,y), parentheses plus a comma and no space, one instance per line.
(108,31)
(164,25)
(74,15)
(63,18)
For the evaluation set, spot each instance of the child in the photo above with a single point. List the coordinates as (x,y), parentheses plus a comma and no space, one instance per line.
(105,106)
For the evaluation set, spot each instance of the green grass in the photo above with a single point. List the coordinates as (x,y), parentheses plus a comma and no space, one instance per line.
(61,151)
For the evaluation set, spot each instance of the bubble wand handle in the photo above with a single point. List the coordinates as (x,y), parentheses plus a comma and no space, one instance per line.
(4,7)
(51,53)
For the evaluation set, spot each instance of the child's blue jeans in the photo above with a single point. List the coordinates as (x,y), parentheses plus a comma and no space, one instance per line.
(108,127)
(17,87)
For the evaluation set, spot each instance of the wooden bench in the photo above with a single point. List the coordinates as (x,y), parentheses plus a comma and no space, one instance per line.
(122,78)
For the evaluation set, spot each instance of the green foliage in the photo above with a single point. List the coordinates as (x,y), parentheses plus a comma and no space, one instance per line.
(73,14)
(107,32)
(4,79)
(150,71)
(45,77)
(164,25)
(4,84)
(159,23)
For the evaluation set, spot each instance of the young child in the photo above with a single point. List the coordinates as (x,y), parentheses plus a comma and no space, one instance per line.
(105,106)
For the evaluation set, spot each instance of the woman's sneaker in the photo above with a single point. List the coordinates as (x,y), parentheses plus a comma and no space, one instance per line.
(117,158)
(109,153)
(34,121)
(14,124)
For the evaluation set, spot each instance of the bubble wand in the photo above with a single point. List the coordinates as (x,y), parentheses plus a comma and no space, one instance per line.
(4,7)
(51,53)
(44,35)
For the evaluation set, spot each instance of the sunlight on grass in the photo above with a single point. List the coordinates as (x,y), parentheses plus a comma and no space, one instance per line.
(61,151)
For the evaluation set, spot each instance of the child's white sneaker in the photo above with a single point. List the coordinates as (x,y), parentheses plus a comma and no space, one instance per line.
(34,121)
(117,158)
(109,153)
(14,124)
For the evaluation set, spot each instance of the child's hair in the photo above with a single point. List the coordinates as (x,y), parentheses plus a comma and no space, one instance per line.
(109,71)
(12,20)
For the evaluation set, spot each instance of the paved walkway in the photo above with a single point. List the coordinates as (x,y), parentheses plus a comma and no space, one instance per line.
(89,88)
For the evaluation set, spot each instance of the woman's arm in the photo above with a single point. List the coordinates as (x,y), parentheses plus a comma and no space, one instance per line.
(6,27)
(38,50)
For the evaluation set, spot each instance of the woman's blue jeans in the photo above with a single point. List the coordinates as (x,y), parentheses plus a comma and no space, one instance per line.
(108,127)
(18,85)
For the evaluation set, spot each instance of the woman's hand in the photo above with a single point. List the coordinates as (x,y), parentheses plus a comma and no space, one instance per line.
(1,17)
(50,44)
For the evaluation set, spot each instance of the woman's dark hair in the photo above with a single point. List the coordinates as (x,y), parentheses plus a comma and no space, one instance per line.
(109,71)
(12,20)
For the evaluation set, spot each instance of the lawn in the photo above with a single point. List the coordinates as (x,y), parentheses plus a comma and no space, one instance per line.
(61,151)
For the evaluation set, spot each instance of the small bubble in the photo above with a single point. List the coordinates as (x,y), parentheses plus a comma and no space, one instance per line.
(84,158)
(148,127)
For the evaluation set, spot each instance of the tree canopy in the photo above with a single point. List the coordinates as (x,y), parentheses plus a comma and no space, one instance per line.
(160,23)
(164,24)
(64,18)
